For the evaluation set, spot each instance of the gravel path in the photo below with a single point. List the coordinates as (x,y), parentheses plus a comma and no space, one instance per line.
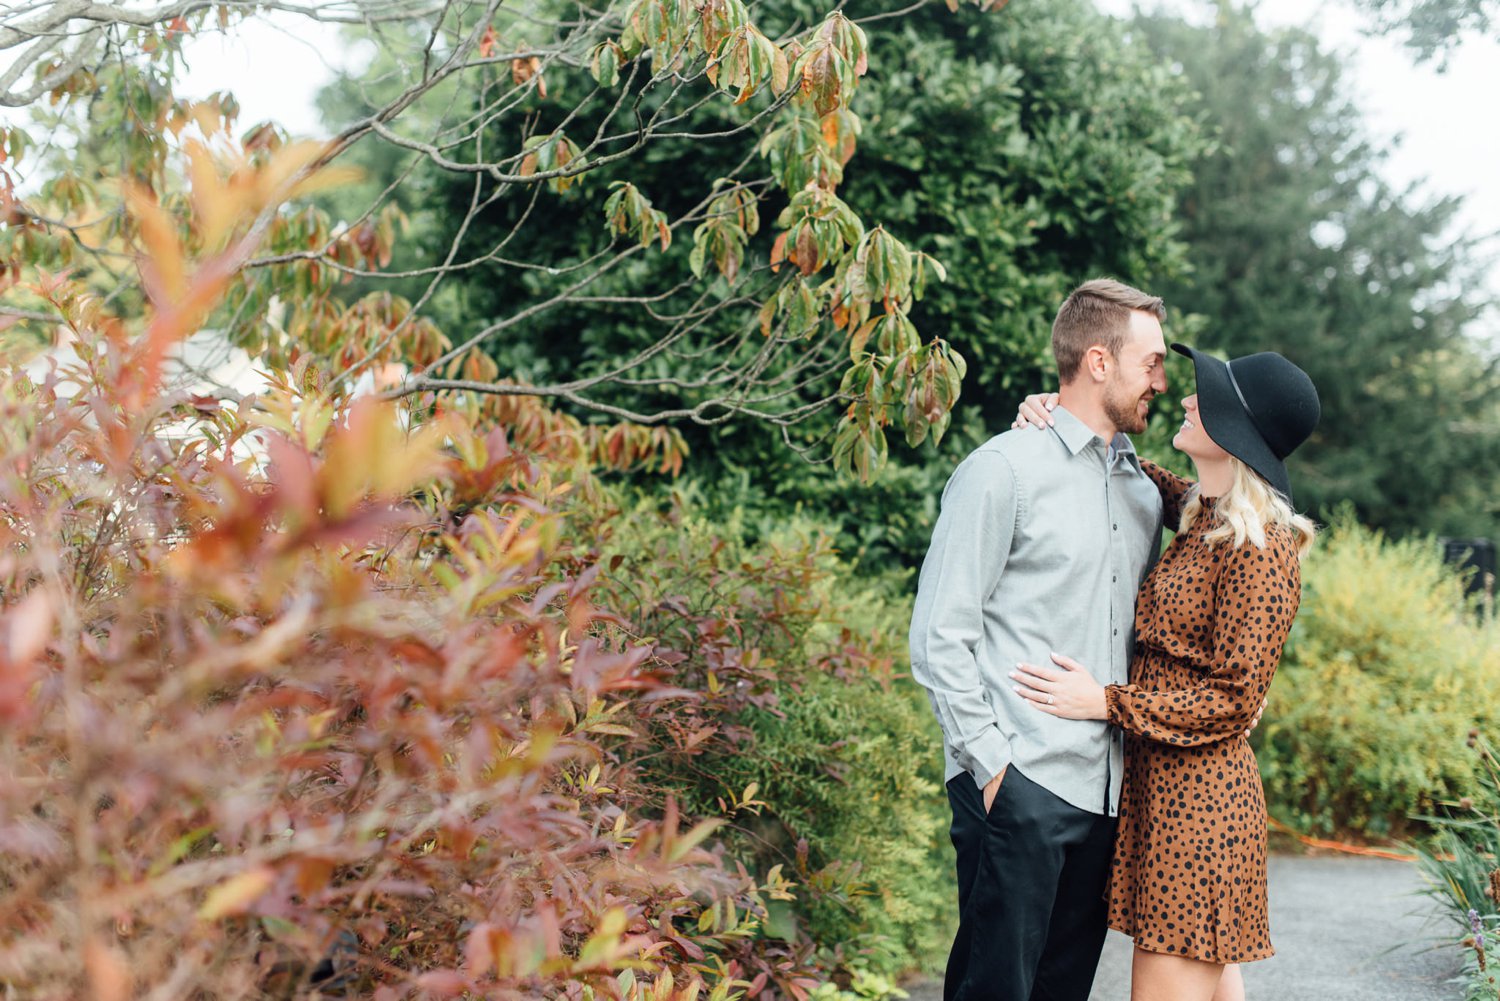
(1344,929)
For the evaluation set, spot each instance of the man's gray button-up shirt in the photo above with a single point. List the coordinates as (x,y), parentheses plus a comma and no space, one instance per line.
(1041,544)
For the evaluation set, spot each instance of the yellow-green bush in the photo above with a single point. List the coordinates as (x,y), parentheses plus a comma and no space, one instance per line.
(1385,673)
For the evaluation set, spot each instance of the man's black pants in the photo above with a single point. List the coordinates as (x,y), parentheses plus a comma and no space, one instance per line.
(1031,908)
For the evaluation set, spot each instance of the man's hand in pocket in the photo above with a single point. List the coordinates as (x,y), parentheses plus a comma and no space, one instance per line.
(992,787)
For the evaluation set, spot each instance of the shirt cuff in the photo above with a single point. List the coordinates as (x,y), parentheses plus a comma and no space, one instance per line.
(988,755)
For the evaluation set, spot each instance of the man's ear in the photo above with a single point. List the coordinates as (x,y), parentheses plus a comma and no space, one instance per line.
(1096,363)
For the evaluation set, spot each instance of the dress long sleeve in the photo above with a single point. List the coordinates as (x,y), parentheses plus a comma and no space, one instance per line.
(1256,597)
(1173,489)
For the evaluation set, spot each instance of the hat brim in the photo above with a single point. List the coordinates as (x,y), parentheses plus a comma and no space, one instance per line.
(1229,424)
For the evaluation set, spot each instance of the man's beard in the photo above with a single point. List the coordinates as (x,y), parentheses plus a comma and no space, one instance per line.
(1124,413)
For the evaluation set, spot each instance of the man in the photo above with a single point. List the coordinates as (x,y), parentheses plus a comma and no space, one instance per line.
(1041,544)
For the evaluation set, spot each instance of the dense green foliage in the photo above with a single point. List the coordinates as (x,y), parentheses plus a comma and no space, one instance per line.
(807,703)
(1024,150)
(1046,145)
(1384,675)
(1299,246)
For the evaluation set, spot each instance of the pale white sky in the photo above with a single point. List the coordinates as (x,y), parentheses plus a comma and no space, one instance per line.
(273,65)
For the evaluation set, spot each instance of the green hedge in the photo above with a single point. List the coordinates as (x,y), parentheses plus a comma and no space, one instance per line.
(1386,672)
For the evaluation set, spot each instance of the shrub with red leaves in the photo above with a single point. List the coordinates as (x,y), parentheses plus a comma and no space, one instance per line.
(302,694)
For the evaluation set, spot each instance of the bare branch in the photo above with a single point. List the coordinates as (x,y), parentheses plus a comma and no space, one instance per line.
(463,118)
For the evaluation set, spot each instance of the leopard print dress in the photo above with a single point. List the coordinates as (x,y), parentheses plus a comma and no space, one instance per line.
(1188,876)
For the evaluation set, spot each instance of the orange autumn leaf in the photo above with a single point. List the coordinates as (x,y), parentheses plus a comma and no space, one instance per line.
(522,70)
(806,251)
(372,456)
(313,874)
(217,206)
(163,268)
(778,252)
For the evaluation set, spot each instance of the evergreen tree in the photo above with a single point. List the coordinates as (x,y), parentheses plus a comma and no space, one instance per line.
(1300,246)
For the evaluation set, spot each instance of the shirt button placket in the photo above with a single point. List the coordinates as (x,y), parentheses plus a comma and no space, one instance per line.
(1112,666)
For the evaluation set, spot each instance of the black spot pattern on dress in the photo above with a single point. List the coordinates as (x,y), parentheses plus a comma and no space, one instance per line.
(1189,871)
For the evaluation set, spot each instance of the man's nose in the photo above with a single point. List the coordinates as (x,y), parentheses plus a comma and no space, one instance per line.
(1160,382)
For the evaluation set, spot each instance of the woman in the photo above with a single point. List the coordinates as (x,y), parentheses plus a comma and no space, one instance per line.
(1188,879)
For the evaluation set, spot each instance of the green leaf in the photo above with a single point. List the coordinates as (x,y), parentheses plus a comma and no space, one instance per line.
(604,63)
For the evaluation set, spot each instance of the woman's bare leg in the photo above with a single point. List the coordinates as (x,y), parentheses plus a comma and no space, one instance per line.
(1154,977)
(1231,985)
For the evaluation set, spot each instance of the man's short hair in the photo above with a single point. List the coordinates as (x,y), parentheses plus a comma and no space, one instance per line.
(1096,312)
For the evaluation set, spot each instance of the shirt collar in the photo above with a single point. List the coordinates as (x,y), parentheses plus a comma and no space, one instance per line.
(1076,435)
(1126,448)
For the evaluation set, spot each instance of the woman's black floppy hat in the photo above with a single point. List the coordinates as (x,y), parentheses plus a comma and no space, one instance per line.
(1258,408)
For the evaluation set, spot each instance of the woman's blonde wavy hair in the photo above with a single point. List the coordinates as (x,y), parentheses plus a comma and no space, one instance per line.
(1244,511)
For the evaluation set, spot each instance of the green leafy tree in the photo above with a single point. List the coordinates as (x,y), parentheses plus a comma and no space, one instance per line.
(1026,152)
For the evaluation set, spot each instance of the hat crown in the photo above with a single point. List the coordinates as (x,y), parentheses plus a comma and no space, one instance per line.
(1280,398)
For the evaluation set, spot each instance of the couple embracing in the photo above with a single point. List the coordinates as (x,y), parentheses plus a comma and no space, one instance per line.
(1095,699)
